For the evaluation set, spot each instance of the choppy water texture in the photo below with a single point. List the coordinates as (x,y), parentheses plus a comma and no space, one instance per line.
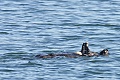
(31,27)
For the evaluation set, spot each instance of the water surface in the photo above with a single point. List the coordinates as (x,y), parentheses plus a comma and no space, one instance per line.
(28,28)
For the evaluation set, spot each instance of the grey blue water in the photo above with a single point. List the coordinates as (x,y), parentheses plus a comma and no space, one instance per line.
(31,27)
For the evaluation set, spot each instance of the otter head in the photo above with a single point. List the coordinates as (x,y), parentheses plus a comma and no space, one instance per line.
(85,49)
(85,44)
(104,52)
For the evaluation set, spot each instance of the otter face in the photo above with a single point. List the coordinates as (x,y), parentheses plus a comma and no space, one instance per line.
(85,44)
(104,52)
(85,49)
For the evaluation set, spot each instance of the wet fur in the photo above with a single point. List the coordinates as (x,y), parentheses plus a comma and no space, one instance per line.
(85,51)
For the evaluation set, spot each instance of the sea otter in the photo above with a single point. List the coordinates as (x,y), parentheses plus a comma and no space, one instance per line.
(85,51)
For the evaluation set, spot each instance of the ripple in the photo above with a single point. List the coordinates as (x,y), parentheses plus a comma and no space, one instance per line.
(36,27)
(7,70)
(9,10)
(107,25)
(76,24)
(4,33)
(31,64)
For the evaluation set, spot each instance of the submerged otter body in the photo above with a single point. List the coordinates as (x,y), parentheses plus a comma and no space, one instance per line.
(85,51)
(72,55)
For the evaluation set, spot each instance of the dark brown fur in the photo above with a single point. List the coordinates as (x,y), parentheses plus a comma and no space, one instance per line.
(85,51)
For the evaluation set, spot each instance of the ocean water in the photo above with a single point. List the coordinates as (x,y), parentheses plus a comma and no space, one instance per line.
(32,27)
